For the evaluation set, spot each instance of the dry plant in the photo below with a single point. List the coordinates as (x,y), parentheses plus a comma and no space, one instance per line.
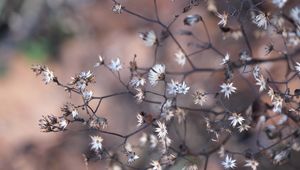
(274,114)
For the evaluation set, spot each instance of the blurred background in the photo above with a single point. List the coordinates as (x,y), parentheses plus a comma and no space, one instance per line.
(67,36)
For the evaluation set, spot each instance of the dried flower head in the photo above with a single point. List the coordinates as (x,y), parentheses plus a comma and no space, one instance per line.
(199,97)
(47,75)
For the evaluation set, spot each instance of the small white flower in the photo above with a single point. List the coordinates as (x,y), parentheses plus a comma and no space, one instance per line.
(295,14)
(137,81)
(243,127)
(48,76)
(115,65)
(161,130)
(261,82)
(297,67)
(225,60)
(149,38)
(175,88)
(229,163)
(236,119)
(256,72)
(199,97)
(223,17)
(192,19)
(74,113)
(131,156)
(96,143)
(85,75)
(180,58)
(140,119)
(261,21)
(117,8)
(155,165)
(140,95)
(227,89)
(87,95)
(63,123)
(183,88)
(251,163)
(279,3)
(81,84)
(156,73)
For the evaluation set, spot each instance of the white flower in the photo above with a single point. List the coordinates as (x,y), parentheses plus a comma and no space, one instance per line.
(251,163)
(180,58)
(63,123)
(81,84)
(243,127)
(87,95)
(85,75)
(140,119)
(115,65)
(261,20)
(117,8)
(261,82)
(96,143)
(183,88)
(137,81)
(140,95)
(192,19)
(223,17)
(177,88)
(256,72)
(48,76)
(227,89)
(156,73)
(74,113)
(161,130)
(149,38)
(229,163)
(225,60)
(279,3)
(295,14)
(199,97)
(236,119)
(155,165)
(132,157)
(297,67)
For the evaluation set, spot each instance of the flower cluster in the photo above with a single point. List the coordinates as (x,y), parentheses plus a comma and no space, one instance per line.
(177,103)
